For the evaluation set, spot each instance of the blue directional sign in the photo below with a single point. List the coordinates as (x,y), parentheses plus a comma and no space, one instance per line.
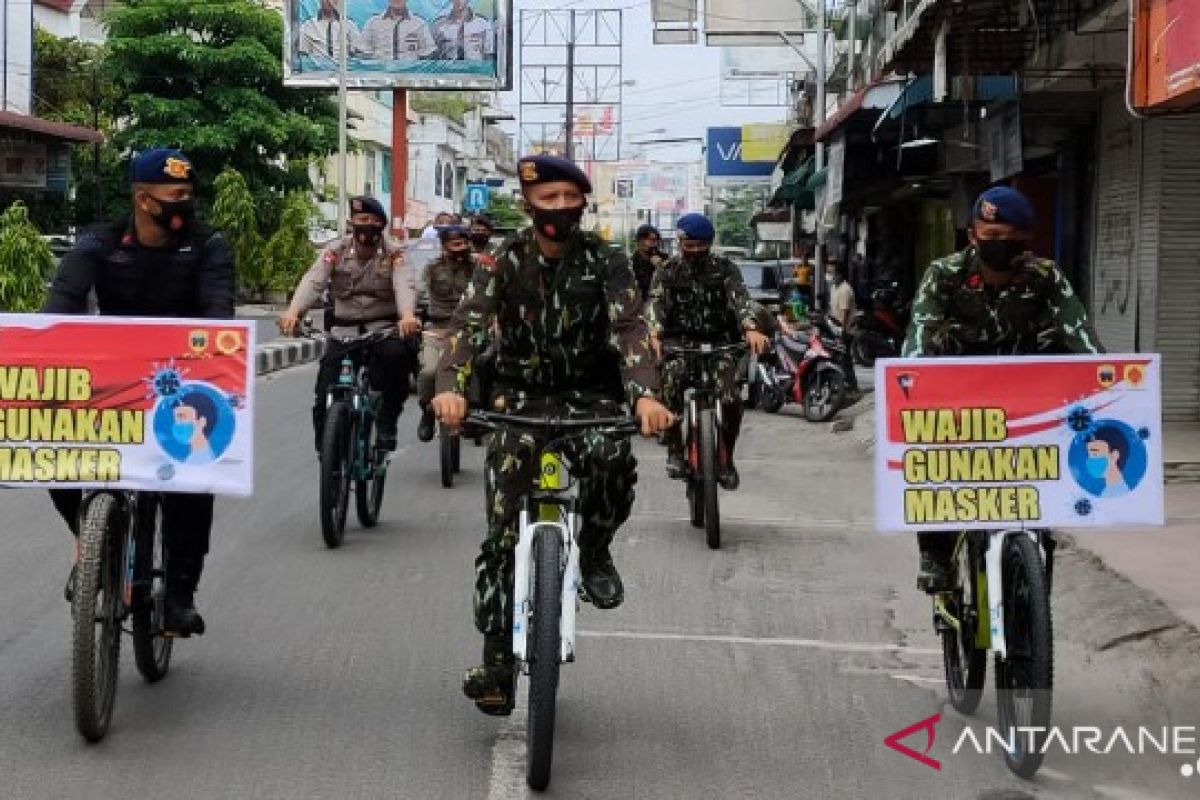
(477,197)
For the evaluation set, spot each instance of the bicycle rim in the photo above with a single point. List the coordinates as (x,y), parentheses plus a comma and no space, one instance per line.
(1025,677)
(368,489)
(96,623)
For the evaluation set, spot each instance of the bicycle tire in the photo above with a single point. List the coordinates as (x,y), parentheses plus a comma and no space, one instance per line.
(708,478)
(95,658)
(457,450)
(965,664)
(1027,673)
(695,496)
(151,648)
(368,492)
(446,458)
(544,651)
(336,474)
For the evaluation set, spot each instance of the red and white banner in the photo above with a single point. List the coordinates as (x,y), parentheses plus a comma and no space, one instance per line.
(1023,442)
(146,404)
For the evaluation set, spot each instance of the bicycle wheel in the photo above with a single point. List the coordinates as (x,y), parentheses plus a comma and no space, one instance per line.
(965,664)
(544,651)
(151,649)
(446,458)
(336,472)
(695,496)
(95,613)
(457,452)
(1025,678)
(368,491)
(708,478)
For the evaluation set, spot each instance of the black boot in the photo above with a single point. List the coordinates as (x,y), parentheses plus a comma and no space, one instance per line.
(179,606)
(425,429)
(492,685)
(601,580)
(386,431)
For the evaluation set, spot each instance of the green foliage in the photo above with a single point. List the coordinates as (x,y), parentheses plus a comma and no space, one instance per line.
(208,78)
(25,261)
(453,105)
(504,211)
(234,213)
(289,253)
(732,221)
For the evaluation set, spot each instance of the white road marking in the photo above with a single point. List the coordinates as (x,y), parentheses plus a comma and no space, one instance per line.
(920,679)
(754,641)
(507,781)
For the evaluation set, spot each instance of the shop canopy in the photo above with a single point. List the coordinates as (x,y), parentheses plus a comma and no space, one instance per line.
(793,189)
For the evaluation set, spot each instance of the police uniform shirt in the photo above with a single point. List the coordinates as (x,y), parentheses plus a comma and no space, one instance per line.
(360,289)
(467,39)
(321,39)
(405,38)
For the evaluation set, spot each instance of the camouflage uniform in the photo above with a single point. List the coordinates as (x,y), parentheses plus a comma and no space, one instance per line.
(702,303)
(956,313)
(572,341)
(644,268)
(445,282)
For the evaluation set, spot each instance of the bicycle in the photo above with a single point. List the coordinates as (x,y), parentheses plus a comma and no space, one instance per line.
(350,453)
(119,576)
(999,602)
(547,585)
(705,454)
(450,442)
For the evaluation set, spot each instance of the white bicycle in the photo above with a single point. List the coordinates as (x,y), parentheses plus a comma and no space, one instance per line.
(547,587)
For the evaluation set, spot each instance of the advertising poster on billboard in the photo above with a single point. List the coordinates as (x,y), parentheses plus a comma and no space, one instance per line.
(1078,445)
(729,160)
(448,44)
(146,404)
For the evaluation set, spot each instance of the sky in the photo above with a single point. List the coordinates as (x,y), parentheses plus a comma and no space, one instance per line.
(677,86)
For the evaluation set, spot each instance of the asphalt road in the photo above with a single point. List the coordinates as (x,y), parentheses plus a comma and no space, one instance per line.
(774,668)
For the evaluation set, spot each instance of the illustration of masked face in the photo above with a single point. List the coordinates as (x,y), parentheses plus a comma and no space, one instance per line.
(1100,458)
(187,420)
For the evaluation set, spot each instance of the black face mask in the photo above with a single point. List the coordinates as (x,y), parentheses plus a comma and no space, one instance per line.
(696,258)
(557,224)
(460,256)
(1000,254)
(175,216)
(481,239)
(368,235)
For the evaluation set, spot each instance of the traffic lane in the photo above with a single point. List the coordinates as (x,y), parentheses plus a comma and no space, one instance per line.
(323,673)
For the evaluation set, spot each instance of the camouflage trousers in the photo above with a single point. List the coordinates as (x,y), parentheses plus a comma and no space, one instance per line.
(606,472)
(728,371)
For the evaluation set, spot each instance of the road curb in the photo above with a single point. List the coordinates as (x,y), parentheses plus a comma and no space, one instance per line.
(284,353)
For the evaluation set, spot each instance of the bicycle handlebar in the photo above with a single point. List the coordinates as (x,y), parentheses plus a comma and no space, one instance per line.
(492,420)
(703,350)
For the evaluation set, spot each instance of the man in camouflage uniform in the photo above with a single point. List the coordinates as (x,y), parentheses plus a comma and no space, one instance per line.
(993,299)
(572,341)
(698,298)
(372,290)
(446,280)
(647,258)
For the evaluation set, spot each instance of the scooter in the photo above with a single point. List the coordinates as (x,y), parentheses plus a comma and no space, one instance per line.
(879,333)
(802,367)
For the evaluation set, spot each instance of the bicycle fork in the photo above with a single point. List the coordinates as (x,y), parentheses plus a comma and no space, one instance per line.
(524,574)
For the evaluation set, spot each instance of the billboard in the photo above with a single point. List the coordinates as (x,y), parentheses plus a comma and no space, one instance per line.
(417,44)
(742,23)
(730,160)
(1166,67)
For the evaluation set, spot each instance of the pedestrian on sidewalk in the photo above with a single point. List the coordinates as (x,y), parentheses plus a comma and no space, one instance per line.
(842,309)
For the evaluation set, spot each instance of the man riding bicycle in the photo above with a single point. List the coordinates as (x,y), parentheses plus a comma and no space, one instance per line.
(572,342)
(159,262)
(372,290)
(994,298)
(699,298)
(446,280)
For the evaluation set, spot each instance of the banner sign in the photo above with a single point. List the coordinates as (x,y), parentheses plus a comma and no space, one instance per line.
(118,402)
(727,160)
(1020,442)
(419,44)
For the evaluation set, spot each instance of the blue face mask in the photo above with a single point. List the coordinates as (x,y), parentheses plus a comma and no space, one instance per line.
(1097,466)
(183,432)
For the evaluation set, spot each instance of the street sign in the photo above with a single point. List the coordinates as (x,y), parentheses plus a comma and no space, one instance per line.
(477,197)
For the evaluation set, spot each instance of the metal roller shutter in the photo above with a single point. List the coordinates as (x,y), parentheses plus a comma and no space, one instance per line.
(1118,228)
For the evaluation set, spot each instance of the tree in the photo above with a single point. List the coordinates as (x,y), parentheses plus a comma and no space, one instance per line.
(208,78)
(504,211)
(234,213)
(453,105)
(25,261)
(289,253)
(733,219)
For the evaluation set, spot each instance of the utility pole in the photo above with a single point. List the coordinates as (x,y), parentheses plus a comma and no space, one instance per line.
(341,209)
(399,203)
(818,120)
(569,129)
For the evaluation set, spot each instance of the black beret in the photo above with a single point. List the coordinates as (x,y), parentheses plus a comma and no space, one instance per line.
(161,165)
(646,231)
(448,232)
(534,170)
(368,205)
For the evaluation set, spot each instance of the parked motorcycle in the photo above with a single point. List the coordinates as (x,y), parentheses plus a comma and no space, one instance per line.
(802,367)
(879,331)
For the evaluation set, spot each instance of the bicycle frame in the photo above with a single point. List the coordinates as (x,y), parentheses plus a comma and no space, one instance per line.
(989,586)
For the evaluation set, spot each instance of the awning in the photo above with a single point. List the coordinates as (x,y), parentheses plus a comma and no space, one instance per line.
(986,89)
(12,121)
(817,179)
(871,99)
(793,189)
